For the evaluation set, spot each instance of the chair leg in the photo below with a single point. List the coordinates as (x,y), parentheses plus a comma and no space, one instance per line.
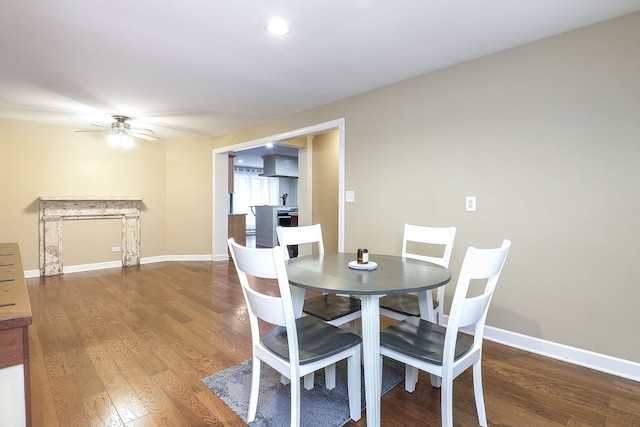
(436,381)
(479,395)
(255,388)
(446,397)
(353,327)
(380,370)
(410,378)
(308,381)
(295,403)
(329,376)
(439,315)
(354,380)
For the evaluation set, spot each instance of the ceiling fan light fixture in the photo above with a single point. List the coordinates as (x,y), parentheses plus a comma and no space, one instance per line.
(127,141)
(277,27)
(114,139)
(120,140)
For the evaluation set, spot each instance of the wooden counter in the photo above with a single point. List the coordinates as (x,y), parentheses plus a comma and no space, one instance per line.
(238,228)
(15,318)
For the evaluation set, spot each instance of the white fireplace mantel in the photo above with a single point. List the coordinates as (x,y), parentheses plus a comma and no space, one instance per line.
(53,210)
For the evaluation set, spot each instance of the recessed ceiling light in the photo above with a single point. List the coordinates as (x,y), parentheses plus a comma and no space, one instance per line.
(277,27)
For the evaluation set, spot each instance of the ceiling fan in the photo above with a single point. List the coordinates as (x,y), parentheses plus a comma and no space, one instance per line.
(121,133)
(121,127)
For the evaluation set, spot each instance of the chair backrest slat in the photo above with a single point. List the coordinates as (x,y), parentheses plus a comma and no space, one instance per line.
(248,265)
(473,309)
(301,235)
(266,307)
(429,235)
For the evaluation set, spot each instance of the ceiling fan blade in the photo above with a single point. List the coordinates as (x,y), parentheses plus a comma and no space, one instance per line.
(147,131)
(143,136)
(102,129)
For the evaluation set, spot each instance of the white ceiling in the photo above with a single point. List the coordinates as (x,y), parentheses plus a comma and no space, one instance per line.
(206,67)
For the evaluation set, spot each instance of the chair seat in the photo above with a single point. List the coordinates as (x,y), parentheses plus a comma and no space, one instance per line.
(406,304)
(316,340)
(422,340)
(330,307)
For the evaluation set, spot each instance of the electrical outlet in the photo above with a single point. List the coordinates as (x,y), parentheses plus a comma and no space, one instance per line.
(470,203)
(115,249)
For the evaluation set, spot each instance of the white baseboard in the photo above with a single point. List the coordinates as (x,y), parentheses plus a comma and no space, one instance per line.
(30,274)
(91,267)
(588,359)
(118,264)
(164,258)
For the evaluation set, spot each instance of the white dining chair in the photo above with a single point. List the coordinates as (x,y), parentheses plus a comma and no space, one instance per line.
(401,306)
(333,309)
(296,347)
(445,351)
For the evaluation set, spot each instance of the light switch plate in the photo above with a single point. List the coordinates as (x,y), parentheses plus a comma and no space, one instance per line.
(350,196)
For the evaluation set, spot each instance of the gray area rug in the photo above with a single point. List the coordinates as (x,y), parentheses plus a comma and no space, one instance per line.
(319,407)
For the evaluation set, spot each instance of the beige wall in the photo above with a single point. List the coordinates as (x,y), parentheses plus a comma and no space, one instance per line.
(325,187)
(53,161)
(546,137)
(189,195)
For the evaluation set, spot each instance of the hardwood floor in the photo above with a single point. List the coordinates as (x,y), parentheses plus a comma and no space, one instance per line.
(129,347)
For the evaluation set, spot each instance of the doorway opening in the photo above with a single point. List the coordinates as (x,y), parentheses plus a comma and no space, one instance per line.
(221,180)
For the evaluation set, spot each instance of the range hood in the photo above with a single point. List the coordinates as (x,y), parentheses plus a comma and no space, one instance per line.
(280,166)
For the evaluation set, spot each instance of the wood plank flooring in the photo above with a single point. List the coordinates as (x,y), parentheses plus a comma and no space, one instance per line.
(129,347)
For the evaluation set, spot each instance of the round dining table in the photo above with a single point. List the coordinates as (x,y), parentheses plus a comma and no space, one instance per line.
(331,273)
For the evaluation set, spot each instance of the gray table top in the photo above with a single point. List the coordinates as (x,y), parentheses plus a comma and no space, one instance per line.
(330,273)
